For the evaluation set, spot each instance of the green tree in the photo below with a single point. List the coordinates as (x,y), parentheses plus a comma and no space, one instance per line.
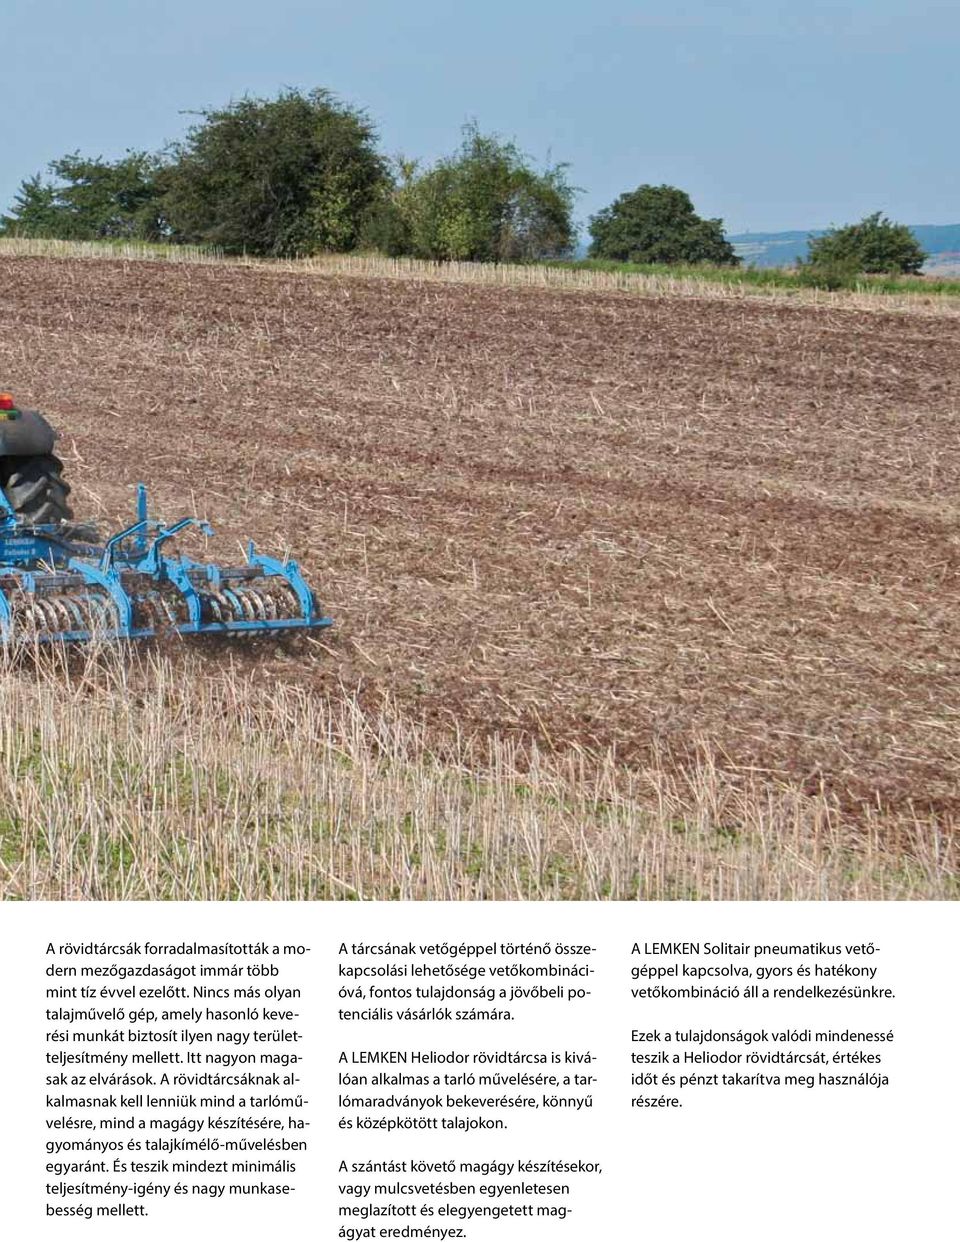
(35,210)
(657,224)
(385,227)
(875,245)
(89,199)
(485,203)
(292,175)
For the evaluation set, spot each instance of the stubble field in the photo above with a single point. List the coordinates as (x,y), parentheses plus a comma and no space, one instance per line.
(696,556)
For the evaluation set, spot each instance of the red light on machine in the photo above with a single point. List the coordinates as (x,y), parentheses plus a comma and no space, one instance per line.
(6,401)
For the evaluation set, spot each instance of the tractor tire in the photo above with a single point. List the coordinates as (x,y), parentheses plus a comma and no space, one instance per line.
(35,489)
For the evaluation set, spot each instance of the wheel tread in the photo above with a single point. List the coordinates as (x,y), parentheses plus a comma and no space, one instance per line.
(35,488)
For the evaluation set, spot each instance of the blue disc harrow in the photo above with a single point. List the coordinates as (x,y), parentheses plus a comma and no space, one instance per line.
(58,589)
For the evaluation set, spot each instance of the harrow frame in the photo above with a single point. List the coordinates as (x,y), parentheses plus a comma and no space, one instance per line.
(57,589)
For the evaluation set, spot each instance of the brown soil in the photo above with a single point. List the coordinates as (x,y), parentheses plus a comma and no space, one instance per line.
(599,519)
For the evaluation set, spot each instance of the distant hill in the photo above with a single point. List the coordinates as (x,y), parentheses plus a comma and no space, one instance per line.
(941,242)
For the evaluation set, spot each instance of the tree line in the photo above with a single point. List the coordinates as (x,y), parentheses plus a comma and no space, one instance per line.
(302,174)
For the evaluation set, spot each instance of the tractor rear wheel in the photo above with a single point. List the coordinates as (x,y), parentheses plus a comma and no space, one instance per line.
(35,488)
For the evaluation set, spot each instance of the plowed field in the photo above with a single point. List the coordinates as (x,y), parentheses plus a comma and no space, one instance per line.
(602,520)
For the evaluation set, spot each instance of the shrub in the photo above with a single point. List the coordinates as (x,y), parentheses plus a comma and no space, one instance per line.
(875,245)
(485,203)
(91,200)
(292,175)
(829,274)
(657,224)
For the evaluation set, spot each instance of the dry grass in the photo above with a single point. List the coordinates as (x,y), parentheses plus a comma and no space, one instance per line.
(493,275)
(129,252)
(144,778)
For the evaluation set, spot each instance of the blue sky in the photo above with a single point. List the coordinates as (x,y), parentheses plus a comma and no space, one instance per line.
(772,114)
